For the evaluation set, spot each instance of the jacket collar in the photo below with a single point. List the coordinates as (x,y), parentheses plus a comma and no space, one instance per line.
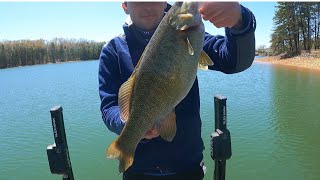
(136,35)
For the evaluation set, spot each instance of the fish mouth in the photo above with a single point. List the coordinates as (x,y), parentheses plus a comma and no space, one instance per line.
(184,21)
(186,16)
(190,28)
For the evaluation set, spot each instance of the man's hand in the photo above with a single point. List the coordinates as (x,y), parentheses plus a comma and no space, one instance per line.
(222,14)
(152,133)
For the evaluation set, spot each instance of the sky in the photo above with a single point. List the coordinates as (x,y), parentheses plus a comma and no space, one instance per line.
(98,21)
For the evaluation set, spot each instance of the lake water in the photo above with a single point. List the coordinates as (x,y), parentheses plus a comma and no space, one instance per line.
(273,117)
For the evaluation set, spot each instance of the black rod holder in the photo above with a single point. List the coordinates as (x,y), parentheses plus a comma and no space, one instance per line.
(58,153)
(220,138)
(220,108)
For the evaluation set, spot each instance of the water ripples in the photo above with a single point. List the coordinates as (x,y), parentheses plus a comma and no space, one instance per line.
(273,115)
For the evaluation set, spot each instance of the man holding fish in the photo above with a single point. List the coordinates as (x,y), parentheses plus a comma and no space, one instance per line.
(148,86)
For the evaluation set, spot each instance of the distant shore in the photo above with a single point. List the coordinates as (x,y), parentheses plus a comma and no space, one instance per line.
(298,62)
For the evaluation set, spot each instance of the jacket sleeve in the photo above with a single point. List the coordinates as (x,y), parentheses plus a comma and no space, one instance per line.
(235,51)
(109,84)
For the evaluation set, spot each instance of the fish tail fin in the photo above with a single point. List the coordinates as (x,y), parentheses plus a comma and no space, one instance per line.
(115,152)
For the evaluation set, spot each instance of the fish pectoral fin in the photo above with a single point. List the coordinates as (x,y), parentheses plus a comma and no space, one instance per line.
(190,48)
(125,158)
(124,98)
(204,61)
(167,128)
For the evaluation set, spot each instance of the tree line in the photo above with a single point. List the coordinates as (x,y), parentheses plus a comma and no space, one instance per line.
(30,52)
(297,26)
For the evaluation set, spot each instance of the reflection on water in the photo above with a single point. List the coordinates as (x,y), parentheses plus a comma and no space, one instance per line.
(296,124)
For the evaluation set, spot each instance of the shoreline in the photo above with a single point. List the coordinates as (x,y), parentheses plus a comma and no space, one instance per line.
(60,62)
(297,63)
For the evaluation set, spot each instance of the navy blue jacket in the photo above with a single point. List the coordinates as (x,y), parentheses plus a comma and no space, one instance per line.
(231,54)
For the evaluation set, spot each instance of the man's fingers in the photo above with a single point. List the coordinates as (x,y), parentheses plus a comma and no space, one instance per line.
(205,7)
(152,133)
(212,14)
(221,14)
(221,22)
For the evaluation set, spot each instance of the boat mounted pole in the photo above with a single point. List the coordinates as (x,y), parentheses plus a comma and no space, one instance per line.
(220,138)
(58,153)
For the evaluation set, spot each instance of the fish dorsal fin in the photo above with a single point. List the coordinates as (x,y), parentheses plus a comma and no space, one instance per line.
(124,98)
(190,48)
(204,61)
(167,127)
(126,91)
